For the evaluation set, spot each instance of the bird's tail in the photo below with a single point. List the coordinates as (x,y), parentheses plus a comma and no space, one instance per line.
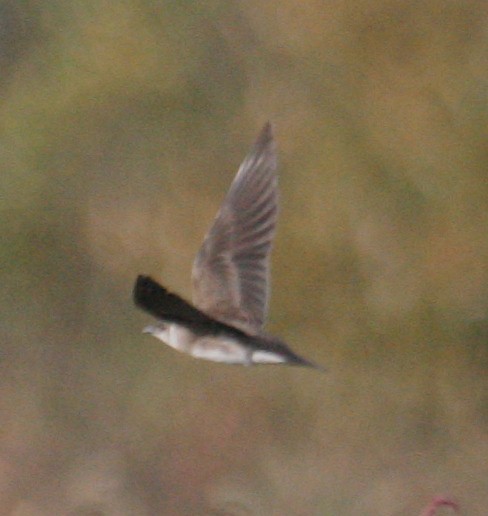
(299,361)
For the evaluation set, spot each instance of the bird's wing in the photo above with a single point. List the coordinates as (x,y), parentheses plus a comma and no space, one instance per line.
(152,297)
(166,306)
(231,270)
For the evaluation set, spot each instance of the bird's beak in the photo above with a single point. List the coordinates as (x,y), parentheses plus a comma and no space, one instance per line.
(149,329)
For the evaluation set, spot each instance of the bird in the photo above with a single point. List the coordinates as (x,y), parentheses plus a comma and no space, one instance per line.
(230,276)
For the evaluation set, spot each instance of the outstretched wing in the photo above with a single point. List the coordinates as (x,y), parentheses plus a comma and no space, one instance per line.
(152,297)
(231,270)
(166,306)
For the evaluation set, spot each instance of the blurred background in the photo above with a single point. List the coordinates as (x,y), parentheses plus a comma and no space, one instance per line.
(122,126)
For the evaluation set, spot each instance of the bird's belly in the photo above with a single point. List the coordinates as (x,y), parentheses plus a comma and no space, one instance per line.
(216,349)
(224,350)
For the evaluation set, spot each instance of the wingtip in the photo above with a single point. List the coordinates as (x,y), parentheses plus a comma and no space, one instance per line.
(138,285)
(266,135)
(141,281)
(144,287)
(268,127)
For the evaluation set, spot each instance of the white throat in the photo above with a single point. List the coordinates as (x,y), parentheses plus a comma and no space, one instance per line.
(172,334)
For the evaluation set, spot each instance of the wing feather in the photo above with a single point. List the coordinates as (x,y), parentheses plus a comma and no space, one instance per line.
(231,270)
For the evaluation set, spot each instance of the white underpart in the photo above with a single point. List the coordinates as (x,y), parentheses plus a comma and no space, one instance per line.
(220,349)
(267,357)
(208,348)
(170,335)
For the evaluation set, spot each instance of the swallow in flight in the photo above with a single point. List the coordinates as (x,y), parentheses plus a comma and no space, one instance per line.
(230,276)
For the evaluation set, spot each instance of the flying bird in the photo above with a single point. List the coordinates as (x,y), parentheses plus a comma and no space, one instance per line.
(230,276)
